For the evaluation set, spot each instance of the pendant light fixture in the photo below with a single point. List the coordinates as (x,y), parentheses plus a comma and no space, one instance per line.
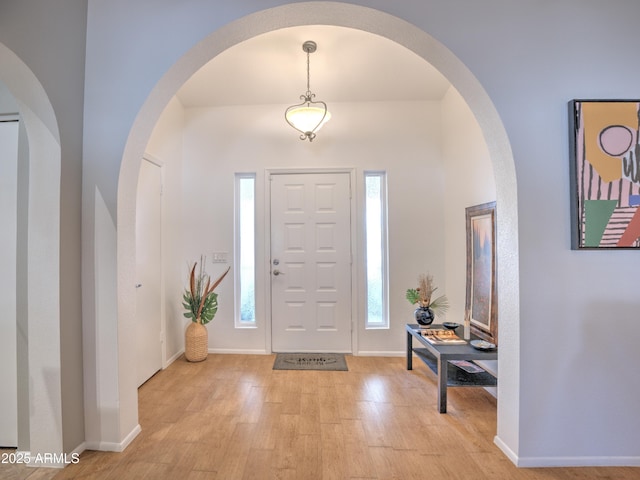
(310,115)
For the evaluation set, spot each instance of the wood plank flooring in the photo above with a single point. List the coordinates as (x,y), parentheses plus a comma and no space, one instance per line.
(233,417)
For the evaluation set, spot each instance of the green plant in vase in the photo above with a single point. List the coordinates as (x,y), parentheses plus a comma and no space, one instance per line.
(428,307)
(201,305)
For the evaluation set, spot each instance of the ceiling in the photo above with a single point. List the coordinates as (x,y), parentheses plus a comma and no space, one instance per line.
(349,66)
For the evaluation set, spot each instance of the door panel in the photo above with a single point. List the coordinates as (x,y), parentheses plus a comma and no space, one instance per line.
(311,262)
(148,271)
(8,289)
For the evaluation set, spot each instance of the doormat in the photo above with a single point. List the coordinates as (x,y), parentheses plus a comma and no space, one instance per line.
(310,361)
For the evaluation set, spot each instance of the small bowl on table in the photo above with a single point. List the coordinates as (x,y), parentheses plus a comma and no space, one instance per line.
(450,325)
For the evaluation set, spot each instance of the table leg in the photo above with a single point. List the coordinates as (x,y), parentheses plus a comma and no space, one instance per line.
(442,385)
(409,351)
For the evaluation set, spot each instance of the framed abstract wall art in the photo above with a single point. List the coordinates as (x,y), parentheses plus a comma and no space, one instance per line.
(605,174)
(481,302)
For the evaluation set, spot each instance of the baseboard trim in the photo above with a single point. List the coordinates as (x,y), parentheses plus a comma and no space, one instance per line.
(52,460)
(366,353)
(510,454)
(537,462)
(113,446)
(564,462)
(80,448)
(173,359)
(129,438)
(265,352)
(238,352)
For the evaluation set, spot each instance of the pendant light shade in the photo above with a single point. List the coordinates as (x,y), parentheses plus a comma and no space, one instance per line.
(308,118)
(310,115)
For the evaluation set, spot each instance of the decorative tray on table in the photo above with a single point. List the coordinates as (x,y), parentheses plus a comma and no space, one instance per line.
(482,345)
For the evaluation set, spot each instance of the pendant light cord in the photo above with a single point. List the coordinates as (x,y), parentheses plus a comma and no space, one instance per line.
(308,76)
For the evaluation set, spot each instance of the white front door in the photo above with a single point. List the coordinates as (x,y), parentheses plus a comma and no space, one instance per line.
(148,271)
(311,262)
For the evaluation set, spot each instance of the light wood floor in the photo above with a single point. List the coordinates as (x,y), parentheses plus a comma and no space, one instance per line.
(233,417)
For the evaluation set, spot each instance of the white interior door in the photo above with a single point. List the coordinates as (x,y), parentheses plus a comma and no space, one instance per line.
(311,262)
(8,245)
(148,271)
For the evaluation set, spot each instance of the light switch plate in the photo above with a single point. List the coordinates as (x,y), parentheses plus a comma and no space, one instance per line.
(219,257)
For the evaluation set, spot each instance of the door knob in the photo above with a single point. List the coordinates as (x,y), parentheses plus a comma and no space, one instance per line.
(277,272)
(138,285)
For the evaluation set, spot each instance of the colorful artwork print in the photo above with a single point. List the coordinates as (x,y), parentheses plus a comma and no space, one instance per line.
(605,173)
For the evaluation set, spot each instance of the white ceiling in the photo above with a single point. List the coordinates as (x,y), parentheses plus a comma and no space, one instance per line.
(348,66)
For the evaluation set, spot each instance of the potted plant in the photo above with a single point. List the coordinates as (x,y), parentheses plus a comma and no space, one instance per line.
(428,307)
(201,304)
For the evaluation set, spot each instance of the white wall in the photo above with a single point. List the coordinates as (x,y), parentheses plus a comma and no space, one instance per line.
(396,137)
(40,409)
(469,181)
(8,251)
(530,58)
(42,63)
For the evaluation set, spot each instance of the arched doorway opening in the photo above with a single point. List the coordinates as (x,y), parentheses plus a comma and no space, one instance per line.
(397,31)
(40,405)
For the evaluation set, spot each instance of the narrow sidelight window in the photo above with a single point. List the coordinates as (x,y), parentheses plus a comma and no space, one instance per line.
(245,278)
(376,249)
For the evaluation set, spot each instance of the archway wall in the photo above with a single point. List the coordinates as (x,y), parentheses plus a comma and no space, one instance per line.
(516,67)
(42,66)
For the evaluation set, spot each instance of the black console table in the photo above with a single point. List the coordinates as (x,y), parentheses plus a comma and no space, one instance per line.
(437,355)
